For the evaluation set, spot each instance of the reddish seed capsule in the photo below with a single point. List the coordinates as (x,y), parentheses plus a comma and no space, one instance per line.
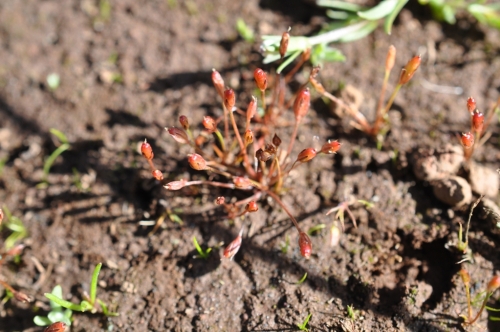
(175,185)
(391,58)
(218,82)
(301,104)
(285,38)
(330,147)
(147,150)
(276,141)
(260,79)
(241,182)
(409,70)
(178,134)
(305,245)
(229,99)
(197,162)
(56,327)
(465,276)
(248,137)
(262,155)
(209,124)
(158,175)
(467,140)
(183,120)
(477,121)
(493,284)
(306,155)
(252,109)
(252,207)
(220,200)
(21,297)
(471,104)
(233,247)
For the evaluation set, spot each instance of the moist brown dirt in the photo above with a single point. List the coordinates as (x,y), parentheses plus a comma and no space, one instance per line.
(126,76)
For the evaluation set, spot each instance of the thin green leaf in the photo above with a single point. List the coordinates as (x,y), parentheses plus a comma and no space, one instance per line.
(245,31)
(60,135)
(57,316)
(56,291)
(105,310)
(339,15)
(489,15)
(41,321)
(360,33)
(381,10)
(304,277)
(288,61)
(93,283)
(86,306)
(389,20)
(63,303)
(50,160)
(343,5)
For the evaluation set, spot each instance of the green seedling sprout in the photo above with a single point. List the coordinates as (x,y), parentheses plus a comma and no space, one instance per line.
(315,229)
(303,326)
(285,245)
(304,277)
(53,81)
(353,314)
(56,153)
(57,313)
(463,242)
(201,253)
(245,31)
(88,304)
(15,225)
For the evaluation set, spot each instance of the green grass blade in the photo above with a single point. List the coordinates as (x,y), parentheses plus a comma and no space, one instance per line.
(93,283)
(389,20)
(63,303)
(60,135)
(50,160)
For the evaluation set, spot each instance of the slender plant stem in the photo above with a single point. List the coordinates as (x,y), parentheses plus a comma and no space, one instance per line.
(221,140)
(292,139)
(246,162)
(380,115)
(278,200)
(358,116)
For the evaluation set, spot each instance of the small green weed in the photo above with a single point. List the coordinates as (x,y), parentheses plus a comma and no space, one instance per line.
(201,253)
(65,145)
(303,326)
(15,225)
(88,304)
(57,312)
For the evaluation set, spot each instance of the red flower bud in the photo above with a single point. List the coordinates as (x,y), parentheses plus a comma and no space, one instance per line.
(493,284)
(233,247)
(220,200)
(218,82)
(306,155)
(409,70)
(147,151)
(252,207)
(305,245)
(209,124)
(285,38)
(158,175)
(175,185)
(248,137)
(241,182)
(56,327)
(391,58)
(260,79)
(330,147)
(471,104)
(178,134)
(477,121)
(229,99)
(301,104)
(197,162)
(467,140)
(184,122)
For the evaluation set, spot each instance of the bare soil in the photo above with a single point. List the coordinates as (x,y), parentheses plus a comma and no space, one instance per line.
(127,75)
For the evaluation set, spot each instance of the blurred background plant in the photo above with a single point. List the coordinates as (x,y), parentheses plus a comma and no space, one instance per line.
(353,21)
